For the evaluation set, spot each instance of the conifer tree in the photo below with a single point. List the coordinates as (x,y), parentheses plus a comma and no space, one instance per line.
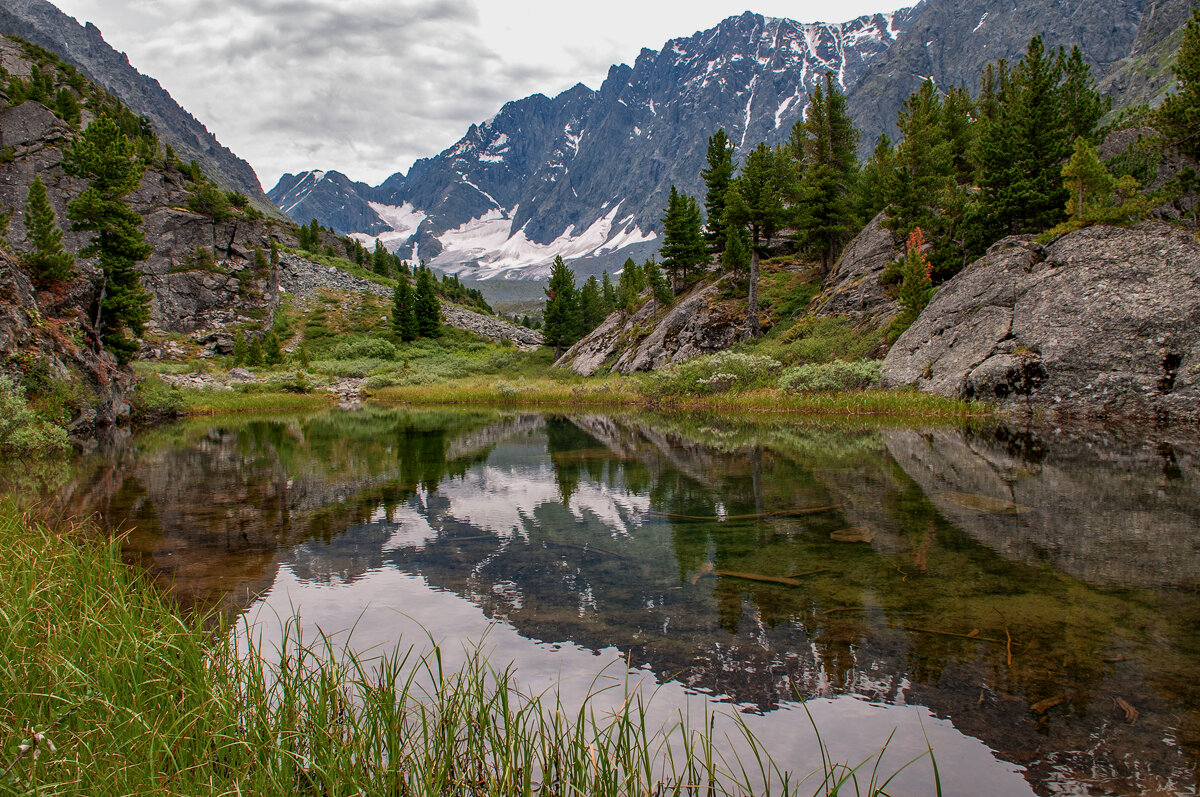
(105,156)
(380,259)
(239,349)
(631,283)
(870,190)
(563,320)
(272,354)
(755,202)
(1088,182)
(717,176)
(591,304)
(426,306)
(1082,105)
(1179,115)
(660,289)
(608,294)
(683,241)
(48,262)
(924,166)
(1021,148)
(404,316)
(736,257)
(828,140)
(916,286)
(254,355)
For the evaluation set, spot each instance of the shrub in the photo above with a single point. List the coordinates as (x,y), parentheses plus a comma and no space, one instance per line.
(154,399)
(716,373)
(838,375)
(367,348)
(22,432)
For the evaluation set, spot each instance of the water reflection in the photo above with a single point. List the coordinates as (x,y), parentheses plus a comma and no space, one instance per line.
(1039,591)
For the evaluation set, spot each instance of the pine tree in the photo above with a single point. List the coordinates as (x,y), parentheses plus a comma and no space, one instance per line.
(562,315)
(404,317)
(591,304)
(105,156)
(1022,147)
(660,289)
(736,257)
(239,349)
(631,283)
(683,241)
(924,166)
(1179,115)
(380,260)
(1082,104)
(916,287)
(608,294)
(755,202)
(870,190)
(717,177)
(272,354)
(828,140)
(254,356)
(1089,184)
(314,236)
(426,306)
(48,261)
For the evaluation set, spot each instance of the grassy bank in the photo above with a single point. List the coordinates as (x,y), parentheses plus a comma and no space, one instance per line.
(104,689)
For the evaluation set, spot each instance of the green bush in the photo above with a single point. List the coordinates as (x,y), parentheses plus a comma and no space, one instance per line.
(22,432)
(367,348)
(153,399)
(716,373)
(835,376)
(349,369)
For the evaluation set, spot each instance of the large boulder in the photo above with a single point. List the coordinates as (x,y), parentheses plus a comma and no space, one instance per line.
(700,322)
(853,288)
(1103,321)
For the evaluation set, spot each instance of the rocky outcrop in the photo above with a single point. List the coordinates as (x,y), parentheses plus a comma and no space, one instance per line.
(853,288)
(46,335)
(700,322)
(1101,322)
(303,278)
(40,22)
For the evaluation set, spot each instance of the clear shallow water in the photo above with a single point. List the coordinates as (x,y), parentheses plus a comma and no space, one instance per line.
(1028,601)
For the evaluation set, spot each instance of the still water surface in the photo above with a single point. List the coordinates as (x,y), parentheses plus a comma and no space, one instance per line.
(1027,601)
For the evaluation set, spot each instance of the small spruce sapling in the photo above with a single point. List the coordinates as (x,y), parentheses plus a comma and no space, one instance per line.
(49,262)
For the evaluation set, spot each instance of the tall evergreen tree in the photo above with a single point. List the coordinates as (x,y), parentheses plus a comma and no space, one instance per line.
(1082,105)
(608,294)
(404,315)
(660,289)
(1089,184)
(870,190)
(683,245)
(924,166)
(717,176)
(828,139)
(106,158)
(630,285)
(426,306)
(48,261)
(1179,115)
(1022,147)
(591,305)
(563,319)
(380,259)
(755,202)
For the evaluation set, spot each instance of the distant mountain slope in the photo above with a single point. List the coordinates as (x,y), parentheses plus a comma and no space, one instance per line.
(952,40)
(586,174)
(82,45)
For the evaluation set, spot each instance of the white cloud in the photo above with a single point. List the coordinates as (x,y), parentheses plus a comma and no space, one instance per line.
(368,87)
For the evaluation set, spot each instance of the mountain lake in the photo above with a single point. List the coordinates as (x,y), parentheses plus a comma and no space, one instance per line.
(1023,602)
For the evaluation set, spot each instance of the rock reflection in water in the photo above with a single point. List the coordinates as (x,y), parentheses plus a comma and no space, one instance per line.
(1031,589)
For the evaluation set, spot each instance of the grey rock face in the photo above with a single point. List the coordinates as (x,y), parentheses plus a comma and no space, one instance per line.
(698,323)
(1101,322)
(853,288)
(82,45)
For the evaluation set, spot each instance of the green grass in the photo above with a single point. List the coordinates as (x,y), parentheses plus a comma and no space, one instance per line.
(106,689)
(215,402)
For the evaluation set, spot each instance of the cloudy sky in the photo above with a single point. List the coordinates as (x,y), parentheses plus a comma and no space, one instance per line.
(368,86)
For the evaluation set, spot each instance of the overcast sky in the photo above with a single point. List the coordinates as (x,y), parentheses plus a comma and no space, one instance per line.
(368,86)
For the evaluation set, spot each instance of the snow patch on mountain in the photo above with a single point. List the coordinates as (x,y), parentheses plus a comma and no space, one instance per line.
(403,219)
(488,246)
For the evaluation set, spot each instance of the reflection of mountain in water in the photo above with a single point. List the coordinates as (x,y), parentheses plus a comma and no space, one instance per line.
(923,567)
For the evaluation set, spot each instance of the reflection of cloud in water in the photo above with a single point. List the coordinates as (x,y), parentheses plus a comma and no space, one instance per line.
(500,500)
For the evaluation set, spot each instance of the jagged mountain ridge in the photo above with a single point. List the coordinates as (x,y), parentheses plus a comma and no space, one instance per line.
(586,174)
(40,22)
